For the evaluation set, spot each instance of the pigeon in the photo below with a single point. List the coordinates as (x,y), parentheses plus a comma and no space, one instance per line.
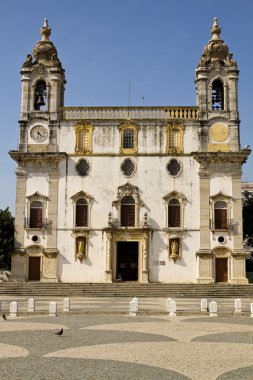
(59,333)
(4,317)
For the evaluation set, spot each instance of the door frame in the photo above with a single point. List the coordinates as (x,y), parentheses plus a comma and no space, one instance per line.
(138,258)
(227,262)
(28,267)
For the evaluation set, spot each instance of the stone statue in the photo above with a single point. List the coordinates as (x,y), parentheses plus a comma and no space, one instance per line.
(80,255)
(174,250)
(4,276)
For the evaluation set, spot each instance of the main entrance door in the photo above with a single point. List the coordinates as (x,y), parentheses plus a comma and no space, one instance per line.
(127,261)
(34,269)
(221,269)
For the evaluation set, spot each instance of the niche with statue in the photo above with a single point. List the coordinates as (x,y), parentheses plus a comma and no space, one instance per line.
(174,249)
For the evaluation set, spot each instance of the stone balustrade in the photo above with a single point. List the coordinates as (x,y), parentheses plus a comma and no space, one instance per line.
(135,113)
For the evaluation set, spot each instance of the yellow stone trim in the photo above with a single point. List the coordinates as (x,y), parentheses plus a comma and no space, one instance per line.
(218,147)
(179,128)
(128,125)
(88,128)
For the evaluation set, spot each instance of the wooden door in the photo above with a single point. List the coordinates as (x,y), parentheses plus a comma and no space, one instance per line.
(34,269)
(221,269)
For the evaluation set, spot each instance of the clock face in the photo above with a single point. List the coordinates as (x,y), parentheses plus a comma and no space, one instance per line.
(38,133)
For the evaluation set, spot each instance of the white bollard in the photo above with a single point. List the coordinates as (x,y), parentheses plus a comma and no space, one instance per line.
(137,301)
(31,304)
(251,310)
(238,305)
(203,304)
(173,308)
(52,309)
(66,304)
(13,309)
(167,303)
(213,309)
(133,308)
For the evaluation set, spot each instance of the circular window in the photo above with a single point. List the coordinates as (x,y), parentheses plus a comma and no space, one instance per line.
(128,167)
(83,167)
(35,238)
(174,167)
(221,239)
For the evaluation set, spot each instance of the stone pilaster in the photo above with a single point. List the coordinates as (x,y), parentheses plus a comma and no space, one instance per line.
(52,209)
(20,207)
(145,257)
(108,269)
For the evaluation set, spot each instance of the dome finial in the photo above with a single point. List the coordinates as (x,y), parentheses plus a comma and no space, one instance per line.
(45,31)
(216,30)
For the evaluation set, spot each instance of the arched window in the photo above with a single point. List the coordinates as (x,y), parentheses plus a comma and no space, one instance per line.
(127,211)
(217,95)
(174,213)
(220,215)
(36,211)
(81,213)
(40,96)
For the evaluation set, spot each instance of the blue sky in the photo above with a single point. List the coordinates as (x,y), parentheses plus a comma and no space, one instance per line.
(102,44)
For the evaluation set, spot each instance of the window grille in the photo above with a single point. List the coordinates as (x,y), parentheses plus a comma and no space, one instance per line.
(174,167)
(174,138)
(128,168)
(128,138)
(127,211)
(84,140)
(83,167)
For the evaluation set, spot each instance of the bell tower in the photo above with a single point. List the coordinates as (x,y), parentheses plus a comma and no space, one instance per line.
(43,81)
(216,80)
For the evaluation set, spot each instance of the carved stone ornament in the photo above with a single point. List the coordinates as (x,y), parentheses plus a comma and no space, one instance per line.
(35,250)
(45,49)
(216,53)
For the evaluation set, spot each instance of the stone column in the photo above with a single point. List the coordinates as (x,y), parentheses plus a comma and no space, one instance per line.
(145,266)
(108,269)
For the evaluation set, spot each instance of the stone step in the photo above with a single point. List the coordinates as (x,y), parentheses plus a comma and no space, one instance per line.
(126,290)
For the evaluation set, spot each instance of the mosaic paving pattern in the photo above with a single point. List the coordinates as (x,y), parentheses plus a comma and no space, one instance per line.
(123,347)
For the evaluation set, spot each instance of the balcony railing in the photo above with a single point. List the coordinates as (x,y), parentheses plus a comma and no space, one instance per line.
(135,113)
(40,225)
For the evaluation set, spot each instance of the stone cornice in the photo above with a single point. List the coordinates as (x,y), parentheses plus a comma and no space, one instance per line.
(209,157)
(40,156)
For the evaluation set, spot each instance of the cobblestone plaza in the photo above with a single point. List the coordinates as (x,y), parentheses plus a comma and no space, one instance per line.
(114,346)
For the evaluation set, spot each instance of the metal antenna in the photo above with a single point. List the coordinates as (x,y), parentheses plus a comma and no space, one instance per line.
(129,98)
(143,97)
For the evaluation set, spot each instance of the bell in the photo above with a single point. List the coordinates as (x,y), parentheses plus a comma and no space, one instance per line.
(40,101)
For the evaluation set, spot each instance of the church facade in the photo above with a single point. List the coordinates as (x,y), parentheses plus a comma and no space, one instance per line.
(147,194)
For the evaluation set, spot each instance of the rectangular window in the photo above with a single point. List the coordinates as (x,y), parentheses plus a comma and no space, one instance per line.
(81,216)
(127,215)
(35,218)
(84,140)
(174,138)
(128,138)
(174,216)
(220,217)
